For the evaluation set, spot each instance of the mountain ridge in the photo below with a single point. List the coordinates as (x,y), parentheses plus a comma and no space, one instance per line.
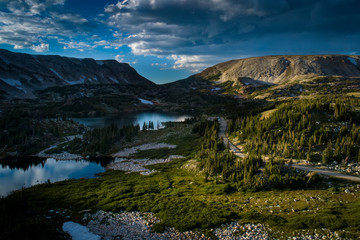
(21,74)
(279,69)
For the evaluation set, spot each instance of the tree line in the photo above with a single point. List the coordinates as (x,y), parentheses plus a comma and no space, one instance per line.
(99,141)
(216,161)
(300,129)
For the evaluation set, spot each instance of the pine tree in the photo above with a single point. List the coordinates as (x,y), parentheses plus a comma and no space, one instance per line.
(327,153)
(337,151)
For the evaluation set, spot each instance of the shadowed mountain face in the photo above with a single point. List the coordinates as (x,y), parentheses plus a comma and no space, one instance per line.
(21,74)
(282,69)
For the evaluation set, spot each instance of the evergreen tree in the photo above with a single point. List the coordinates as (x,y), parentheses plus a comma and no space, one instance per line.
(327,153)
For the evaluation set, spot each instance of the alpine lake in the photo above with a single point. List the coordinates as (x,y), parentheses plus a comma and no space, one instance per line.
(14,175)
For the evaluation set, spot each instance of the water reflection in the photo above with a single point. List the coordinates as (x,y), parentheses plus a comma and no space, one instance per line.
(13,178)
(16,173)
(23,163)
(132,118)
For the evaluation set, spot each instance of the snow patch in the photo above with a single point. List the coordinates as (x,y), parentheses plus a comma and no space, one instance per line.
(79,232)
(100,62)
(216,89)
(143,101)
(36,59)
(80,81)
(41,79)
(114,80)
(21,89)
(6,61)
(11,82)
(352,60)
(57,74)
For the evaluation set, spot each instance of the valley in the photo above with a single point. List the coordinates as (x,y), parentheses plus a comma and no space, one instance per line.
(220,159)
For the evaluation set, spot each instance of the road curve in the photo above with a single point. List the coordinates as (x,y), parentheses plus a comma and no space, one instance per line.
(328,173)
(222,133)
(237,152)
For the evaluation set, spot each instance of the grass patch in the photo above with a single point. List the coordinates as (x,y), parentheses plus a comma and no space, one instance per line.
(354,94)
(185,201)
(267,114)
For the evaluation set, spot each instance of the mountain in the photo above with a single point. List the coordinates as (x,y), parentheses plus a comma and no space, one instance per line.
(282,69)
(279,77)
(21,74)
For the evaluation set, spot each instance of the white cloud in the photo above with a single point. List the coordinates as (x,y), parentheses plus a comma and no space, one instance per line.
(31,23)
(81,46)
(43,47)
(128,4)
(194,63)
(125,4)
(143,48)
(73,18)
(108,44)
(56,2)
(16,46)
(119,58)
(31,7)
(159,64)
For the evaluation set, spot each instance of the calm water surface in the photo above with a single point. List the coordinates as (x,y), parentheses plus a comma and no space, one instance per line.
(132,118)
(25,173)
(15,178)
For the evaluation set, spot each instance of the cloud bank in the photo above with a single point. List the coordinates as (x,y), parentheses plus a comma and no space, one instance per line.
(33,23)
(192,33)
(184,34)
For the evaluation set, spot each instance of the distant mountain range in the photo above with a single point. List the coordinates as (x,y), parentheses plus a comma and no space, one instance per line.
(282,69)
(21,74)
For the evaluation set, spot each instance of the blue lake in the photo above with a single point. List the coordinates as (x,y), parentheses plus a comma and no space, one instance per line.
(15,178)
(132,118)
(28,172)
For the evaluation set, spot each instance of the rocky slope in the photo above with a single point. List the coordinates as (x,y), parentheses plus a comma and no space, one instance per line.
(282,69)
(22,74)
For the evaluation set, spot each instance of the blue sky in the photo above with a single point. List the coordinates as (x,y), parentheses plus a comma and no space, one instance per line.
(167,40)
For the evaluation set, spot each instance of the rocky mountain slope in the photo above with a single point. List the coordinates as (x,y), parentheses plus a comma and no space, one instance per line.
(22,74)
(282,69)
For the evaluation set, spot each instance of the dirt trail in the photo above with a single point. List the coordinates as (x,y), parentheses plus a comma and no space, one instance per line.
(328,173)
(237,152)
(222,133)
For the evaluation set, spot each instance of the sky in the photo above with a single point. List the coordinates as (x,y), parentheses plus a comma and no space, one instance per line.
(167,40)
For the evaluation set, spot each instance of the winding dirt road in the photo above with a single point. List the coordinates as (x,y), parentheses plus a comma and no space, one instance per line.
(222,133)
(237,152)
(328,173)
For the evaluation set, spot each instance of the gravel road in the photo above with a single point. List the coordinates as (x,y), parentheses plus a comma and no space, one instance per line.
(237,152)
